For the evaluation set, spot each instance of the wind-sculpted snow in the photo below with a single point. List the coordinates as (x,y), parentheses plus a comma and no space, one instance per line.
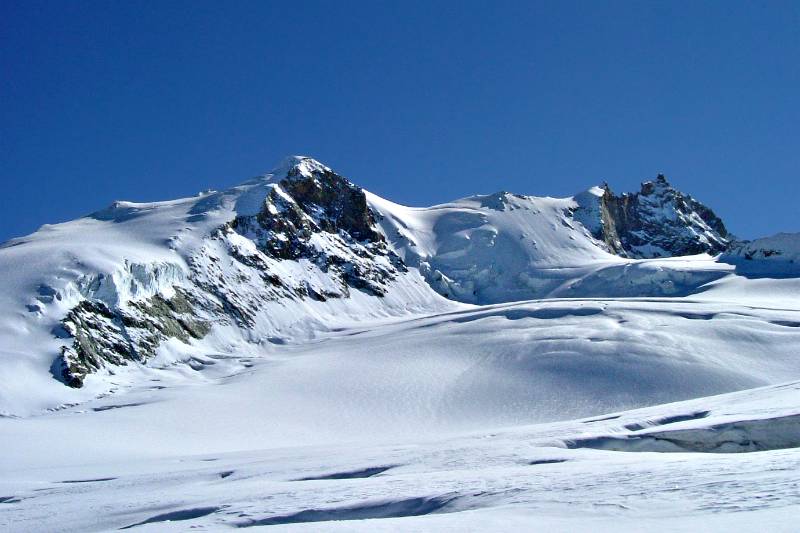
(445,373)
(728,437)
(753,420)
(653,278)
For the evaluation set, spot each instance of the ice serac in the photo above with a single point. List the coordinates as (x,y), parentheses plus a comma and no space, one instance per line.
(779,248)
(505,247)
(492,248)
(658,221)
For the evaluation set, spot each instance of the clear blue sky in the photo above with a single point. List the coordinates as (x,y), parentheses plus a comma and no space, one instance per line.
(418,102)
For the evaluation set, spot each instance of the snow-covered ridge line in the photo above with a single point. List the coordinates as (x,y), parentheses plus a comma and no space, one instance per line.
(295,350)
(312,238)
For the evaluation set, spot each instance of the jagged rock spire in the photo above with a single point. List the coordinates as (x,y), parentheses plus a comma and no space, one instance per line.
(658,221)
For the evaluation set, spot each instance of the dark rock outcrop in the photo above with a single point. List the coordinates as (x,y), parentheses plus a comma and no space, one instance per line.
(102,335)
(658,221)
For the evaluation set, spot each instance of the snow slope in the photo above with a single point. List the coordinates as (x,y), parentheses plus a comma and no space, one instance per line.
(501,365)
(494,248)
(506,247)
(365,432)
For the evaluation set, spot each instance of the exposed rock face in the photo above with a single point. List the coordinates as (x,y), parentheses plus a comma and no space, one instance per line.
(333,202)
(317,215)
(658,221)
(114,336)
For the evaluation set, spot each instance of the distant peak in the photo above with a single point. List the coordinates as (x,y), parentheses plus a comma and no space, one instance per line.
(297,166)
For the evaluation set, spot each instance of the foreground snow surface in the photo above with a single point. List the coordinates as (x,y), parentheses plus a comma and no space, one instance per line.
(519,416)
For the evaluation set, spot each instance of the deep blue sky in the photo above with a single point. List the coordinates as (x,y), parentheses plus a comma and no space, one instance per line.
(418,102)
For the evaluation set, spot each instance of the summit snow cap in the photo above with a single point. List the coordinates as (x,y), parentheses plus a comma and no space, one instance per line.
(297,167)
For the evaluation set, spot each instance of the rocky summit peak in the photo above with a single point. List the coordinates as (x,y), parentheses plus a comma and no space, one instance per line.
(658,221)
(659,184)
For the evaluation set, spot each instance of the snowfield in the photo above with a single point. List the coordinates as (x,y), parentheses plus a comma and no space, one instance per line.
(485,365)
(165,462)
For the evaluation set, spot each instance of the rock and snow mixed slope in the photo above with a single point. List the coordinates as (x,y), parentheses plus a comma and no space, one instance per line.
(392,360)
(282,255)
(658,221)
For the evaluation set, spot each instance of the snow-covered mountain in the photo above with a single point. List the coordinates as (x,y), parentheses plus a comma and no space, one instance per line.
(298,309)
(290,253)
(249,264)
